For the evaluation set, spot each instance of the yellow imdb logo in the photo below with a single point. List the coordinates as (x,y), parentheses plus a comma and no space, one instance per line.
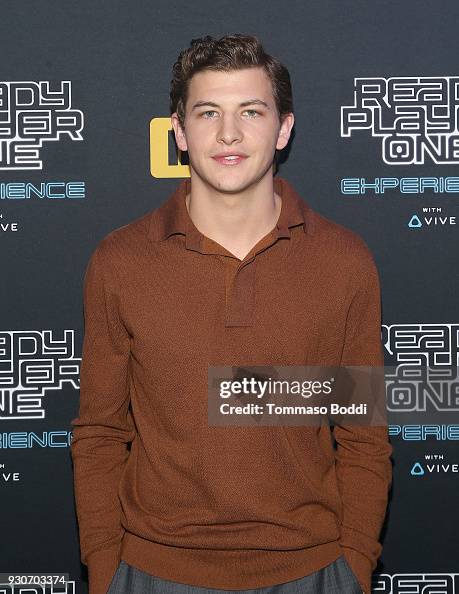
(159,151)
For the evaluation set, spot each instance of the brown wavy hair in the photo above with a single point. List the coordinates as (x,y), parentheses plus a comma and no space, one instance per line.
(230,52)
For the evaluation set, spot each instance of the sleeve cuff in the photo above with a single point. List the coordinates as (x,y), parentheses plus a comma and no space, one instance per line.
(361,566)
(102,566)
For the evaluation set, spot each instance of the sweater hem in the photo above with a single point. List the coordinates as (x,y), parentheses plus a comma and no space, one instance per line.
(211,568)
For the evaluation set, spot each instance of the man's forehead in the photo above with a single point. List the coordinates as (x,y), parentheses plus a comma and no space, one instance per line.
(234,86)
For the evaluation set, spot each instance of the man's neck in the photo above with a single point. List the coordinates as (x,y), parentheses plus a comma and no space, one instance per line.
(237,221)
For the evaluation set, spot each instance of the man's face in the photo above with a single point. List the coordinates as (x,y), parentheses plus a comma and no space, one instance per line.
(216,123)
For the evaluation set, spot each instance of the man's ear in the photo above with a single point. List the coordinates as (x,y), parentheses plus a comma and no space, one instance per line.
(180,138)
(285,130)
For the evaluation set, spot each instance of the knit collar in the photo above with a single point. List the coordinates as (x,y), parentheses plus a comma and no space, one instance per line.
(173,216)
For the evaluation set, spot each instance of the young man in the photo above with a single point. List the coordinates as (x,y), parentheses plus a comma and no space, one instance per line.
(234,268)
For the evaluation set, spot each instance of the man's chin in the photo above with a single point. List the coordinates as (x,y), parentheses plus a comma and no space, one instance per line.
(230,182)
(231,185)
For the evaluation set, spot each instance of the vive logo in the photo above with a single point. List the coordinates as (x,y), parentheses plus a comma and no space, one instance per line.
(434,465)
(435,219)
(417,470)
(415,222)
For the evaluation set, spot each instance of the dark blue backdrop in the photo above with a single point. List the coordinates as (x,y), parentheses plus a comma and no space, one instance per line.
(83,117)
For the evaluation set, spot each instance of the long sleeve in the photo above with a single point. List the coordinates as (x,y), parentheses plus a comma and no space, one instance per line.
(363,464)
(104,426)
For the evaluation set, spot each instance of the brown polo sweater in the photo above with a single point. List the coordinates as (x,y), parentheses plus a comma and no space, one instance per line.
(223,507)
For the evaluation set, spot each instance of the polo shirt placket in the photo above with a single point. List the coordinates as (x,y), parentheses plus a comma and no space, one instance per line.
(240,275)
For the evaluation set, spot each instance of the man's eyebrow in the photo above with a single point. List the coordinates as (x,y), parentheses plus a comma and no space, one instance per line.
(243,104)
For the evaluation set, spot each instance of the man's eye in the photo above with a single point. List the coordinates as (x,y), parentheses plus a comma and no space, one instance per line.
(252,113)
(208,111)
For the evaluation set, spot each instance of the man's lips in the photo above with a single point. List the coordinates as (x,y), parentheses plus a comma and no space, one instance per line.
(229,160)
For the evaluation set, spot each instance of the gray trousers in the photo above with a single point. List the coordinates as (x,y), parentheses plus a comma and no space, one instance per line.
(335,578)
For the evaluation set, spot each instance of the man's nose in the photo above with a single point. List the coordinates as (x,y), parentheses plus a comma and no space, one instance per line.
(229,130)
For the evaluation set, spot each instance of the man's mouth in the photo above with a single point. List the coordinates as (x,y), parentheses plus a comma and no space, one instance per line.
(230,160)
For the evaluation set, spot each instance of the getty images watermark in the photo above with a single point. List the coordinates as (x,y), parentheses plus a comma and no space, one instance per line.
(248,395)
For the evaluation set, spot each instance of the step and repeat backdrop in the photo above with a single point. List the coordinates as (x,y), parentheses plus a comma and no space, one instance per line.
(86,146)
